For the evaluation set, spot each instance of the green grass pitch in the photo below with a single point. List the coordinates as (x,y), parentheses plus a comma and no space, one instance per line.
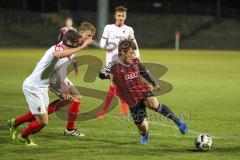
(206,94)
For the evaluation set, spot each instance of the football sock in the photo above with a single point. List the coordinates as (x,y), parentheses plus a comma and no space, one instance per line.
(52,106)
(55,105)
(124,107)
(32,128)
(165,111)
(72,114)
(28,117)
(124,104)
(143,133)
(109,98)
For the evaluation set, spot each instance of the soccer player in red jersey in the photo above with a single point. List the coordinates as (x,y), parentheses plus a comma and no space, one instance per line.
(112,34)
(125,73)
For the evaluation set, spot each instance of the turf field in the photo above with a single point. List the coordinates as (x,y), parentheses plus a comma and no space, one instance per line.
(206,94)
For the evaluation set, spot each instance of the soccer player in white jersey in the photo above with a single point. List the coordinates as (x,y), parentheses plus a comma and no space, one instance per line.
(86,30)
(36,87)
(113,34)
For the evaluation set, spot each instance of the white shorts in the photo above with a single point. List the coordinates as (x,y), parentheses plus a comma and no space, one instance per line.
(111,57)
(37,99)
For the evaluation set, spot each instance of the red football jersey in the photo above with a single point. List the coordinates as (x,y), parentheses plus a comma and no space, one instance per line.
(128,81)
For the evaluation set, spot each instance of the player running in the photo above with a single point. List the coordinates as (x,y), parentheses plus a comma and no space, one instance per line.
(86,31)
(112,34)
(125,74)
(36,87)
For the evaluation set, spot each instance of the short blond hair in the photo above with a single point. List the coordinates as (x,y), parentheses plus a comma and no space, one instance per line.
(87,26)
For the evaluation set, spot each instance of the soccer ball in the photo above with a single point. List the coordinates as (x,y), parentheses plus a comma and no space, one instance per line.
(203,142)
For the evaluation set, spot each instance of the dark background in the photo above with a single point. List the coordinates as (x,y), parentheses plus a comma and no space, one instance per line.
(204,24)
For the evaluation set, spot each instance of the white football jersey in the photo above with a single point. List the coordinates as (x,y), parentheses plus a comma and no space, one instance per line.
(114,34)
(60,73)
(40,77)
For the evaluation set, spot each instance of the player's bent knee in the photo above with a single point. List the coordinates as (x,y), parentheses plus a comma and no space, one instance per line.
(152,102)
(43,119)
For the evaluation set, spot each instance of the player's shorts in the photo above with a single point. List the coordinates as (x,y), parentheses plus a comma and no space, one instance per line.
(37,99)
(57,89)
(138,112)
(111,57)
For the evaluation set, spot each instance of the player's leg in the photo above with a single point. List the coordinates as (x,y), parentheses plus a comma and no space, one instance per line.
(28,117)
(153,104)
(32,128)
(57,104)
(139,116)
(123,105)
(14,123)
(55,87)
(73,111)
(143,130)
(38,101)
(110,95)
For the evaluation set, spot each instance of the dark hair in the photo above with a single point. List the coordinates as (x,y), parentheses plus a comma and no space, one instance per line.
(87,26)
(120,9)
(72,36)
(125,45)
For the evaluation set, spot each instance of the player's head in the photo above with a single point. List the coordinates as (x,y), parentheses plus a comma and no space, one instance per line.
(120,15)
(71,39)
(69,22)
(126,50)
(86,31)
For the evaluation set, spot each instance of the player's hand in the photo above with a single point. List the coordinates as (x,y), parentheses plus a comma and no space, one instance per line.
(87,42)
(110,46)
(108,49)
(157,88)
(107,75)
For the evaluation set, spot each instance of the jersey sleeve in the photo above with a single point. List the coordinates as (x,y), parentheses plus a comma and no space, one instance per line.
(132,37)
(145,73)
(104,38)
(106,71)
(131,34)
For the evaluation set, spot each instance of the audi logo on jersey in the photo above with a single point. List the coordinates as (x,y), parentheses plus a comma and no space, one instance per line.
(131,76)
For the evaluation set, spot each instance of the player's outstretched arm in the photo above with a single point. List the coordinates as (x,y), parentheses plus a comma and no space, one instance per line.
(70,51)
(145,73)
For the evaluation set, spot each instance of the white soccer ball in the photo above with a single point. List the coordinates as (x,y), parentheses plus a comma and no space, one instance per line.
(203,142)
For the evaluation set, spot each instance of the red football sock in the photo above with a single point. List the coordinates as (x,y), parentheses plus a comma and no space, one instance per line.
(55,105)
(28,117)
(72,114)
(32,128)
(124,104)
(109,98)
(124,107)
